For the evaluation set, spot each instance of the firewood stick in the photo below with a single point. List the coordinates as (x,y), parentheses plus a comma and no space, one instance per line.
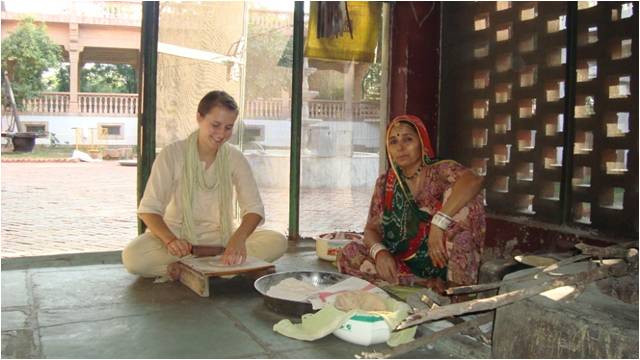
(628,244)
(437,298)
(431,338)
(458,290)
(494,302)
(614,251)
(564,262)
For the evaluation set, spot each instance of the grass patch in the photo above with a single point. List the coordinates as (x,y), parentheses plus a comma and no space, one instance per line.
(42,151)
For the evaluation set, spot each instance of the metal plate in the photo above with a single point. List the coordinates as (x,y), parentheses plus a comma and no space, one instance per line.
(290,307)
(537,260)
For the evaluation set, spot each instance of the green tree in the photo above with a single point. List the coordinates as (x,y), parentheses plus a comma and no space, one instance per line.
(108,78)
(267,68)
(101,78)
(371,82)
(59,80)
(26,54)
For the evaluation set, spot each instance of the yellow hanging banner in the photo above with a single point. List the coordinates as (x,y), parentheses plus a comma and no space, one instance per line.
(358,45)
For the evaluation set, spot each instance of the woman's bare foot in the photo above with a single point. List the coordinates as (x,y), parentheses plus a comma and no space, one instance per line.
(173,271)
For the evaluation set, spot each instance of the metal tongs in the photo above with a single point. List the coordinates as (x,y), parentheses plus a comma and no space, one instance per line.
(422,302)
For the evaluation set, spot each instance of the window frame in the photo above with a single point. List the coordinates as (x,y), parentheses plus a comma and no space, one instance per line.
(107,136)
(45,124)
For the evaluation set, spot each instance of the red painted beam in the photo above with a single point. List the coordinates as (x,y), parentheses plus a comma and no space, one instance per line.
(415,61)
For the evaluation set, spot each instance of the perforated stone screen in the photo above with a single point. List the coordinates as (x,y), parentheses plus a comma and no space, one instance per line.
(506,112)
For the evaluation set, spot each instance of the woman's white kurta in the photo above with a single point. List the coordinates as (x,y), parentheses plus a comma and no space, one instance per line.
(162,194)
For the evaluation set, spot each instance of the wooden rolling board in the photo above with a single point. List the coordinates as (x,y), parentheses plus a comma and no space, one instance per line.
(195,272)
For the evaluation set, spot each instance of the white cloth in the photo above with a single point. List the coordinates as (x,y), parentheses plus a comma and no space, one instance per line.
(328,295)
(319,296)
(162,193)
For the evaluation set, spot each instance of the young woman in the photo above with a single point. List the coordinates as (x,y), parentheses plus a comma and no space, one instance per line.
(188,199)
(426,222)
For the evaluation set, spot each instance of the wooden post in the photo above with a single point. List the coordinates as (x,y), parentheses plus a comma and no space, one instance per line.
(147,95)
(296,121)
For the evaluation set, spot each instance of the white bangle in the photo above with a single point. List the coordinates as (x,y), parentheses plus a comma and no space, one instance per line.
(445,215)
(375,249)
(442,221)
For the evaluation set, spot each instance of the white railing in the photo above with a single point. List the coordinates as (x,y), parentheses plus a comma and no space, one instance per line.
(88,103)
(267,109)
(366,110)
(326,109)
(108,104)
(271,19)
(127,105)
(47,103)
(318,109)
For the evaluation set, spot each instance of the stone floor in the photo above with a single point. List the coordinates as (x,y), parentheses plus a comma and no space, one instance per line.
(66,295)
(72,310)
(58,208)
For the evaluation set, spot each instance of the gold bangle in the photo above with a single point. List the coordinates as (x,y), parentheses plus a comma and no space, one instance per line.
(410,257)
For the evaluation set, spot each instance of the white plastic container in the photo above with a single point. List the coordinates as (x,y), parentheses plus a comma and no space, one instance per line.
(364,329)
(328,245)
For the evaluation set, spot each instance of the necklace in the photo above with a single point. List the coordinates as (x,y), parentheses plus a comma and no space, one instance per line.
(201,179)
(416,173)
(200,172)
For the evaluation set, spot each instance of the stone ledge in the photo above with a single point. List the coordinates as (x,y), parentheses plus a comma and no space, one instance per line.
(563,324)
(76,259)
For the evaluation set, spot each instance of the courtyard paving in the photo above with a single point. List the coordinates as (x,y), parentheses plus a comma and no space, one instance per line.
(55,208)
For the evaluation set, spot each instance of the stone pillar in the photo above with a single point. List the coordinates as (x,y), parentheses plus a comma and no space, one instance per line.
(74,80)
(344,129)
(74,67)
(349,78)
(359,73)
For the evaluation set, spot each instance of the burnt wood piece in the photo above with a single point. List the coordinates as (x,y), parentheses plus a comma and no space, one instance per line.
(618,269)
(496,285)
(614,251)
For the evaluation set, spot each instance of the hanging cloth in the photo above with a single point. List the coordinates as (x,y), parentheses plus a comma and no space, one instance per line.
(345,30)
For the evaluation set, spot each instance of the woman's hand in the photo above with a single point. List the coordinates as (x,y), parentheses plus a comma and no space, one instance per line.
(178,247)
(236,251)
(437,250)
(386,266)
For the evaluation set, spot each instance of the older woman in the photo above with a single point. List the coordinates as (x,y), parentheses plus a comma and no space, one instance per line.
(188,199)
(426,222)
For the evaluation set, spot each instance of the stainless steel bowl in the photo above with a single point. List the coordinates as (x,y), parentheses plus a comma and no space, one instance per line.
(292,307)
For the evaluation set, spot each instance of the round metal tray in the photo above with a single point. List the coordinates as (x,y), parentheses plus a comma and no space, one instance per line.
(290,307)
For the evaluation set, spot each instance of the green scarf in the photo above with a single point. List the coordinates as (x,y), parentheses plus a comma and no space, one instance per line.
(194,178)
(405,230)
